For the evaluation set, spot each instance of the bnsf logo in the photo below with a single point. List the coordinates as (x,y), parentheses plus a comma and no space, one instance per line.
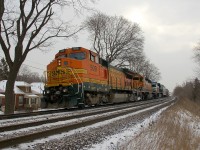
(56,73)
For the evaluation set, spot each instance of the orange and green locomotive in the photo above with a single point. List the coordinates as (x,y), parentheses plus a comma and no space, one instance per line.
(78,77)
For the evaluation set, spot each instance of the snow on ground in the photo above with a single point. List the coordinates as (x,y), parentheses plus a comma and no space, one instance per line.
(177,128)
(118,140)
(126,140)
(192,122)
(114,140)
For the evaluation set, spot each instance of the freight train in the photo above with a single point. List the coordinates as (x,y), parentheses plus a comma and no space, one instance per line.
(78,77)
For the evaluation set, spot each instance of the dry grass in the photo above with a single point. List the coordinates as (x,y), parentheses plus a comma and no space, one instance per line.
(177,129)
(189,105)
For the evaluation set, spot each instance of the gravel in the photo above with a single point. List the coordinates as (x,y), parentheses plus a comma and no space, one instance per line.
(85,139)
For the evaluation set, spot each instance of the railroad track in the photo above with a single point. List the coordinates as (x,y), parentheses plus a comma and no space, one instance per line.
(60,117)
(85,119)
(37,113)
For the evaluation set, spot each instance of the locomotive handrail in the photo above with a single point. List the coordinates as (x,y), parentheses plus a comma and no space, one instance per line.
(76,79)
(81,83)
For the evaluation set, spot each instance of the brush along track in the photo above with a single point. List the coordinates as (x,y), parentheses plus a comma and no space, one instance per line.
(74,125)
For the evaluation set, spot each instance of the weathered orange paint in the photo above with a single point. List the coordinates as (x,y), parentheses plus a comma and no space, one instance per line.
(92,70)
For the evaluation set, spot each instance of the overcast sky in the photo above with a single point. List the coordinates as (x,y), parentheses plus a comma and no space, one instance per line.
(171,30)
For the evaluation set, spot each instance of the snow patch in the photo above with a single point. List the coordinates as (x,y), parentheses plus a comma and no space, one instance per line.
(118,140)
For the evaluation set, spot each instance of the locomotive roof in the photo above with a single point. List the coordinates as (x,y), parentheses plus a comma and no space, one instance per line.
(130,72)
(111,66)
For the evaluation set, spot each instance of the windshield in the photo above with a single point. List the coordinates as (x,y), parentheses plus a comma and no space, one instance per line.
(79,56)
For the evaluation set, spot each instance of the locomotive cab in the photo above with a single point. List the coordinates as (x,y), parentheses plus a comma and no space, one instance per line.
(71,77)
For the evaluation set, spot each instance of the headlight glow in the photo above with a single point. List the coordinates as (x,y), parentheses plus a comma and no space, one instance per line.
(64,90)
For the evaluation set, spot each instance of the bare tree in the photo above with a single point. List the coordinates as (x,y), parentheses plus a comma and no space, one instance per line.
(114,38)
(197,58)
(197,53)
(120,42)
(136,61)
(190,90)
(178,91)
(25,74)
(139,63)
(150,71)
(26,25)
(196,90)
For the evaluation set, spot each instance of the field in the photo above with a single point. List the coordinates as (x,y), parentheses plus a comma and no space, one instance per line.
(176,128)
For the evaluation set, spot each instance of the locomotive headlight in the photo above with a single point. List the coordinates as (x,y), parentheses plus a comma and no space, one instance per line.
(64,90)
(48,91)
(59,62)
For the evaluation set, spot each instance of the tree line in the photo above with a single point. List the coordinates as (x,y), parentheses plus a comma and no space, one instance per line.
(191,89)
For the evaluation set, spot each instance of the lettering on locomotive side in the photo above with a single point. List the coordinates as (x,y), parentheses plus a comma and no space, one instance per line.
(63,72)
(93,68)
(57,72)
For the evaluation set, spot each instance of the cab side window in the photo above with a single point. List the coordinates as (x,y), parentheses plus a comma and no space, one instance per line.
(92,58)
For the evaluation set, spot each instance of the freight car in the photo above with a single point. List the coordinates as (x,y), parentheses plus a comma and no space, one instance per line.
(78,77)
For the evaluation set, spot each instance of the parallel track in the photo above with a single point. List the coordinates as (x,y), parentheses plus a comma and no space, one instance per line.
(75,116)
(45,121)
(37,113)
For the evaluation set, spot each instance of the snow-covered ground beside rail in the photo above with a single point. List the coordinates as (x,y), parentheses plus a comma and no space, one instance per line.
(118,140)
